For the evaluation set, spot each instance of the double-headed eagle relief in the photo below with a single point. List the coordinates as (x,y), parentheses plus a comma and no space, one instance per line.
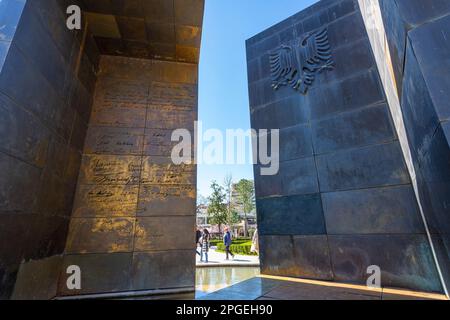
(297,64)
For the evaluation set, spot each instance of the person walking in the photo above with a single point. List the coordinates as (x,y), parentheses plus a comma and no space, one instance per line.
(227,242)
(198,235)
(204,241)
(255,243)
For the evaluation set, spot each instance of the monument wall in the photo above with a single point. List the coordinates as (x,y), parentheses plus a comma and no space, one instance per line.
(343,199)
(134,212)
(44,111)
(86,176)
(417,35)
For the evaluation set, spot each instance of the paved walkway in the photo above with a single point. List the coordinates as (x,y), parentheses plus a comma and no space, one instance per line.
(280,288)
(218,259)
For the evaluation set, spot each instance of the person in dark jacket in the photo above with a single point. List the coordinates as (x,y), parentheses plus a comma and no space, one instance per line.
(198,235)
(227,241)
(204,242)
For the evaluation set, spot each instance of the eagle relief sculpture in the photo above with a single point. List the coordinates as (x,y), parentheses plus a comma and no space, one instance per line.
(297,64)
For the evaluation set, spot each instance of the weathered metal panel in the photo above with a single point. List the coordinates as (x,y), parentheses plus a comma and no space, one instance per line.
(357,173)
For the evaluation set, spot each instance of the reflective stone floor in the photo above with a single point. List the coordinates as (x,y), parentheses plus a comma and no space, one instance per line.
(209,280)
(277,288)
(247,284)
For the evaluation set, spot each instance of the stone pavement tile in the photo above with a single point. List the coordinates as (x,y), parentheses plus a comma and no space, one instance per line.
(396,294)
(226,294)
(274,289)
(388,296)
(301,291)
(251,289)
(201,294)
(255,286)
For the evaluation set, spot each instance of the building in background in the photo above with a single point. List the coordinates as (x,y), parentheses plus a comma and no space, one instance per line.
(202,216)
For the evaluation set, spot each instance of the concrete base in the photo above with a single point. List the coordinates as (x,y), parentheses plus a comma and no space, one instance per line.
(167,294)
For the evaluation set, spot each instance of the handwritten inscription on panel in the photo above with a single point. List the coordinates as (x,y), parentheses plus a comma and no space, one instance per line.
(132,70)
(102,235)
(167,118)
(157,200)
(160,170)
(106,170)
(172,106)
(181,97)
(113,93)
(106,201)
(160,233)
(158,142)
(105,140)
(119,103)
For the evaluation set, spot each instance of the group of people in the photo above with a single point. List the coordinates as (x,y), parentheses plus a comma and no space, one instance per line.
(203,240)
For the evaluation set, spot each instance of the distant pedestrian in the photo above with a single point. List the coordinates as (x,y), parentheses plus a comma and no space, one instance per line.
(204,241)
(255,243)
(198,235)
(227,241)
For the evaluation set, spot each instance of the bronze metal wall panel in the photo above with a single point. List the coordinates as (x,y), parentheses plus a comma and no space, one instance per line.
(147,29)
(171,269)
(100,235)
(45,102)
(106,201)
(158,142)
(110,170)
(107,273)
(161,170)
(111,140)
(159,233)
(174,200)
(48,78)
(116,98)
(130,196)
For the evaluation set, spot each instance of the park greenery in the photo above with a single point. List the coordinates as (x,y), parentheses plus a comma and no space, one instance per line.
(225,201)
(217,208)
(242,248)
(246,198)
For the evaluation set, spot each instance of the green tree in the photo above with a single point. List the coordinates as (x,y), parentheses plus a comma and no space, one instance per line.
(217,208)
(246,198)
(234,218)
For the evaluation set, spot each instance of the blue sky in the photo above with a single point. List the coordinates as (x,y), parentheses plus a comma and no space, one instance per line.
(223,93)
